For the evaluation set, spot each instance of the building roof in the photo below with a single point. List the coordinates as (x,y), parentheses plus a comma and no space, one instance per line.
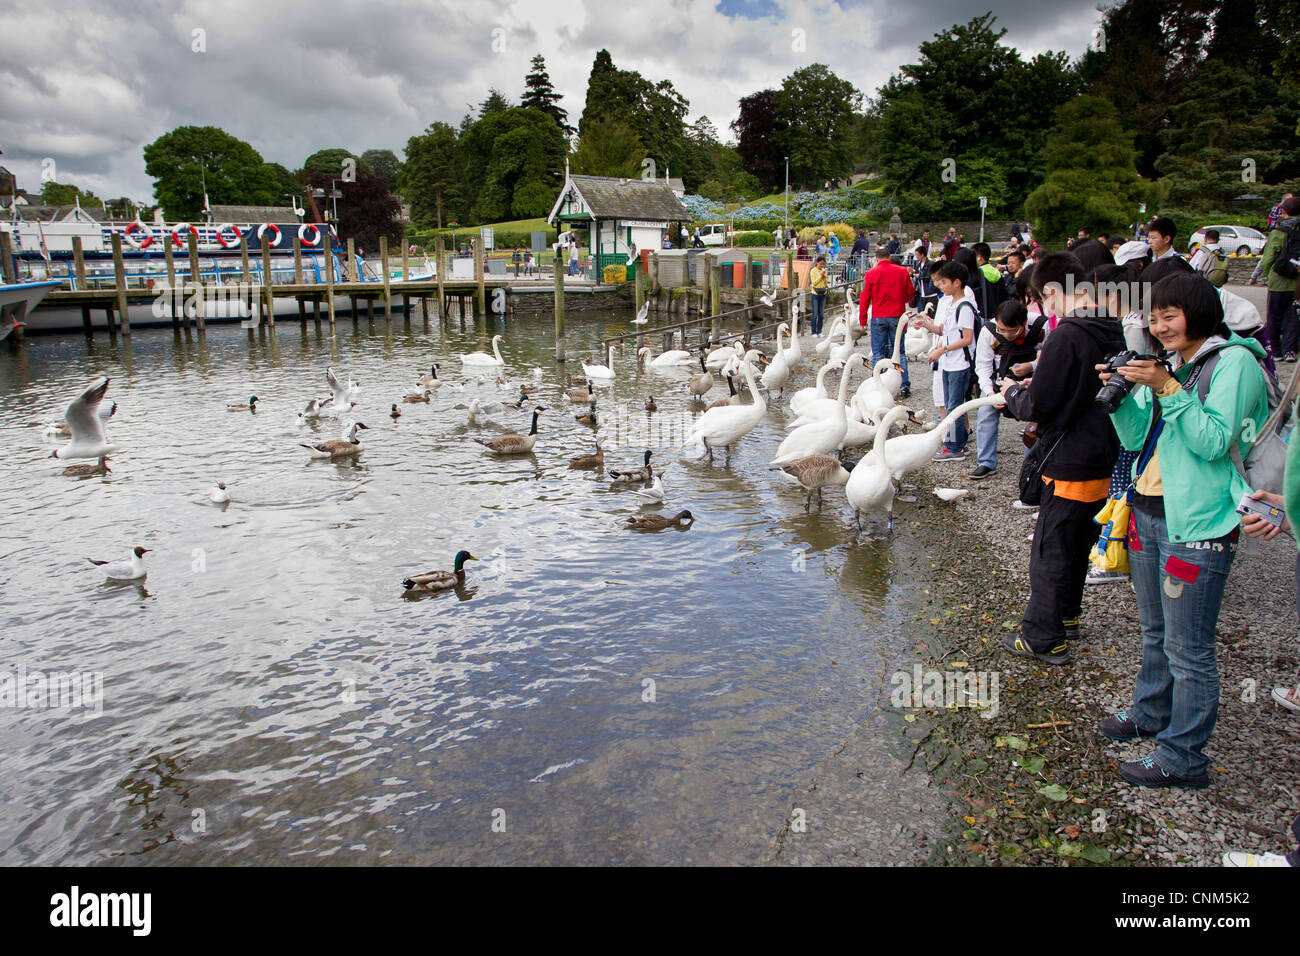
(58,213)
(252,214)
(608,197)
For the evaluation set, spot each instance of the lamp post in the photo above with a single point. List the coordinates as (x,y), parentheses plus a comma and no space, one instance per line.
(787,200)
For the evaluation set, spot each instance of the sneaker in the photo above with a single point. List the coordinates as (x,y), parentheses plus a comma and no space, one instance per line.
(905,393)
(1147,773)
(1237,858)
(1021,506)
(1097,576)
(1071,625)
(946,455)
(983,471)
(1122,727)
(1286,697)
(1060,654)
(1290,357)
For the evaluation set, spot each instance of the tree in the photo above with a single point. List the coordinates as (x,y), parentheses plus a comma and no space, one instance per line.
(182,161)
(815,110)
(513,162)
(367,210)
(757,131)
(66,194)
(1092,177)
(431,176)
(286,183)
(332,162)
(384,164)
(656,111)
(609,147)
(541,95)
(496,102)
(603,90)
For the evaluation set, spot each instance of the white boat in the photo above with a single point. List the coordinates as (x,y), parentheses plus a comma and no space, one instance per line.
(17,302)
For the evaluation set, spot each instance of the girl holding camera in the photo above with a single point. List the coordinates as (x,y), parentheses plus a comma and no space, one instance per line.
(1184,529)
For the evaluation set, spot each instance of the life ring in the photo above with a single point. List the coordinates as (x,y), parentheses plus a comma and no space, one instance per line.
(183,227)
(221,235)
(261,232)
(132,228)
(315,231)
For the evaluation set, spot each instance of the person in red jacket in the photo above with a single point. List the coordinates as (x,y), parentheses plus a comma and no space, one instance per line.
(886,290)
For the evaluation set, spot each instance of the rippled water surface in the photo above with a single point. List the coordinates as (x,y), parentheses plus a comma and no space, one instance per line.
(270,695)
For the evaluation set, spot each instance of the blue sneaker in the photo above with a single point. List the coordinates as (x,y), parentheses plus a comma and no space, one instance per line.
(1147,773)
(1123,727)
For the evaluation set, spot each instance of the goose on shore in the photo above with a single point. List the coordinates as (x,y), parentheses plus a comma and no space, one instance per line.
(644,473)
(86,426)
(813,473)
(132,570)
(511,444)
(653,522)
(440,580)
(482,358)
(345,447)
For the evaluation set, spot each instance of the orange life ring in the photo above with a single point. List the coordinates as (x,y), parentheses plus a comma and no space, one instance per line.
(221,235)
(183,227)
(261,232)
(302,234)
(132,228)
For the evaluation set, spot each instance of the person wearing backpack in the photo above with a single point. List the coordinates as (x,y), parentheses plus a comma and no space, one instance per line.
(955,320)
(1185,526)
(1282,278)
(1210,260)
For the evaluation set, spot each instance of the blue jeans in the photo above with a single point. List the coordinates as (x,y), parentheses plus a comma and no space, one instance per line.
(573,267)
(818,312)
(986,435)
(883,331)
(954,394)
(1179,591)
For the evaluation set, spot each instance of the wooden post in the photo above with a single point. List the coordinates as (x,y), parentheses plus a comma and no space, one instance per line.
(326,243)
(792,283)
(245,277)
(715,297)
(638,286)
(749,283)
(370,307)
(406,307)
(315,311)
(406,258)
(79,263)
(85,320)
(119,275)
(197,284)
(654,274)
(480,298)
(297,261)
(383,263)
(559,314)
(424,310)
(302,309)
(439,265)
(268,297)
(352,260)
(7,258)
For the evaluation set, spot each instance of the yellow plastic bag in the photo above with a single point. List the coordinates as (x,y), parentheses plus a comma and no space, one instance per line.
(1110,553)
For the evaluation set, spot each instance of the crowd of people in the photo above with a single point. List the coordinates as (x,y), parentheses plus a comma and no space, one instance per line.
(1138,379)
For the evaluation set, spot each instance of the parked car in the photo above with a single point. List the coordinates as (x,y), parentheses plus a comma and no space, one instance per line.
(1234,240)
(715,234)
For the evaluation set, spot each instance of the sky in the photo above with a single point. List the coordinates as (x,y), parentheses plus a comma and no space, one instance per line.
(86,84)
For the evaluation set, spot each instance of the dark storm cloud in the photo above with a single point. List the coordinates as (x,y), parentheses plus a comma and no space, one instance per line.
(88,84)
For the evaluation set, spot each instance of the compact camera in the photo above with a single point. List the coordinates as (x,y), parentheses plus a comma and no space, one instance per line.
(1114,391)
(1254,506)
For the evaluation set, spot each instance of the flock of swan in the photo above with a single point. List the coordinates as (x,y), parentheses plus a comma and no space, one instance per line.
(812,454)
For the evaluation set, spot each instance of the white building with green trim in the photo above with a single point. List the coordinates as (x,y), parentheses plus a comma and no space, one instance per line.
(621,215)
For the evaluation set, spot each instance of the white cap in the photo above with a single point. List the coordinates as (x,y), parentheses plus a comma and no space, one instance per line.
(1131,250)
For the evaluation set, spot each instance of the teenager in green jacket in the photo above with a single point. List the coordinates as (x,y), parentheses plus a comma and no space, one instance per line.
(1185,525)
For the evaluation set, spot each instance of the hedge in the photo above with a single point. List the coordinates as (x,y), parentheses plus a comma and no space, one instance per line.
(753,238)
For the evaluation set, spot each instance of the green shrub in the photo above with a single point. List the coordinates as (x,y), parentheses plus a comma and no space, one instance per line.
(753,238)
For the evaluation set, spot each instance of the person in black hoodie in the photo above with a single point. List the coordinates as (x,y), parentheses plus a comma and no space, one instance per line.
(1081,451)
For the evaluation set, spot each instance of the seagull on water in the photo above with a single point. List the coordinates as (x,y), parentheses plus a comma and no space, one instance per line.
(643,316)
(132,570)
(86,426)
(219,495)
(655,492)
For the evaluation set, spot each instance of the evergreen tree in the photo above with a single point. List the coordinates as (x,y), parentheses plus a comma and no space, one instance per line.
(541,95)
(609,147)
(495,103)
(431,176)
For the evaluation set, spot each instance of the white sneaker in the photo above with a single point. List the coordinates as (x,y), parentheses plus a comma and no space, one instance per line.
(1286,697)
(1238,858)
(1097,576)
(1021,506)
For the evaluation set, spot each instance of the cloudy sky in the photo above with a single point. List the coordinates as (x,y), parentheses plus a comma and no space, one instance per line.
(87,83)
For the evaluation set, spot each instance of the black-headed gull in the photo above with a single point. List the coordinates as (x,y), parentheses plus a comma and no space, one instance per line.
(132,570)
(86,426)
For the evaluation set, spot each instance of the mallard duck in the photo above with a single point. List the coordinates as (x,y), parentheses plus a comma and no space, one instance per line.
(653,522)
(578,395)
(440,580)
(219,495)
(523,397)
(344,447)
(84,471)
(588,417)
(589,461)
(394,414)
(644,473)
(513,444)
(813,473)
(650,405)
(420,396)
(251,406)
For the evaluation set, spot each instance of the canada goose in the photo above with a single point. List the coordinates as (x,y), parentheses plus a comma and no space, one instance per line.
(431,380)
(813,473)
(578,395)
(344,447)
(644,473)
(513,444)
(588,417)
(86,426)
(700,384)
(251,406)
(394,414)
(733,398)
(589,461)
(132,570)
(482,358)
(654,522)
(84,471)
(440,580)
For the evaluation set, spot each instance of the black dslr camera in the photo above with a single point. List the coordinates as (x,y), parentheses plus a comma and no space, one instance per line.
(1114,391)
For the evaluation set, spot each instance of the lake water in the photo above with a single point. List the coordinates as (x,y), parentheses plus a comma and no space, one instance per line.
(269,695)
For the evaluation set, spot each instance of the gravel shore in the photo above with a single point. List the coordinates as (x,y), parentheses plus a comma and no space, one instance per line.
(1031,782)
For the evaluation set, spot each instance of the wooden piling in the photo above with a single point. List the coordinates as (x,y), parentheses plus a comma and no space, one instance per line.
(85,320)
(406,259)
(267,294)
(326,243)
(383,263)
(439,264)
(119,276)
(749,282)
(559,313)
(638,285)
(715,298)
(197,284)
(7,258)
(654,276)
(352,260)
(245,277)
(79,264)
(480,297)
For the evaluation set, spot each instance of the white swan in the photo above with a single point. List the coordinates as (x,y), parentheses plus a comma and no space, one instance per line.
(871,485)
(601,371)
(824,345)
(821,437)
(814,393)
(909,452)
(778,372)
(793,354)
(482,358)
(892,378)
(872,394)
(669,359)
(723,355)
(728,424)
